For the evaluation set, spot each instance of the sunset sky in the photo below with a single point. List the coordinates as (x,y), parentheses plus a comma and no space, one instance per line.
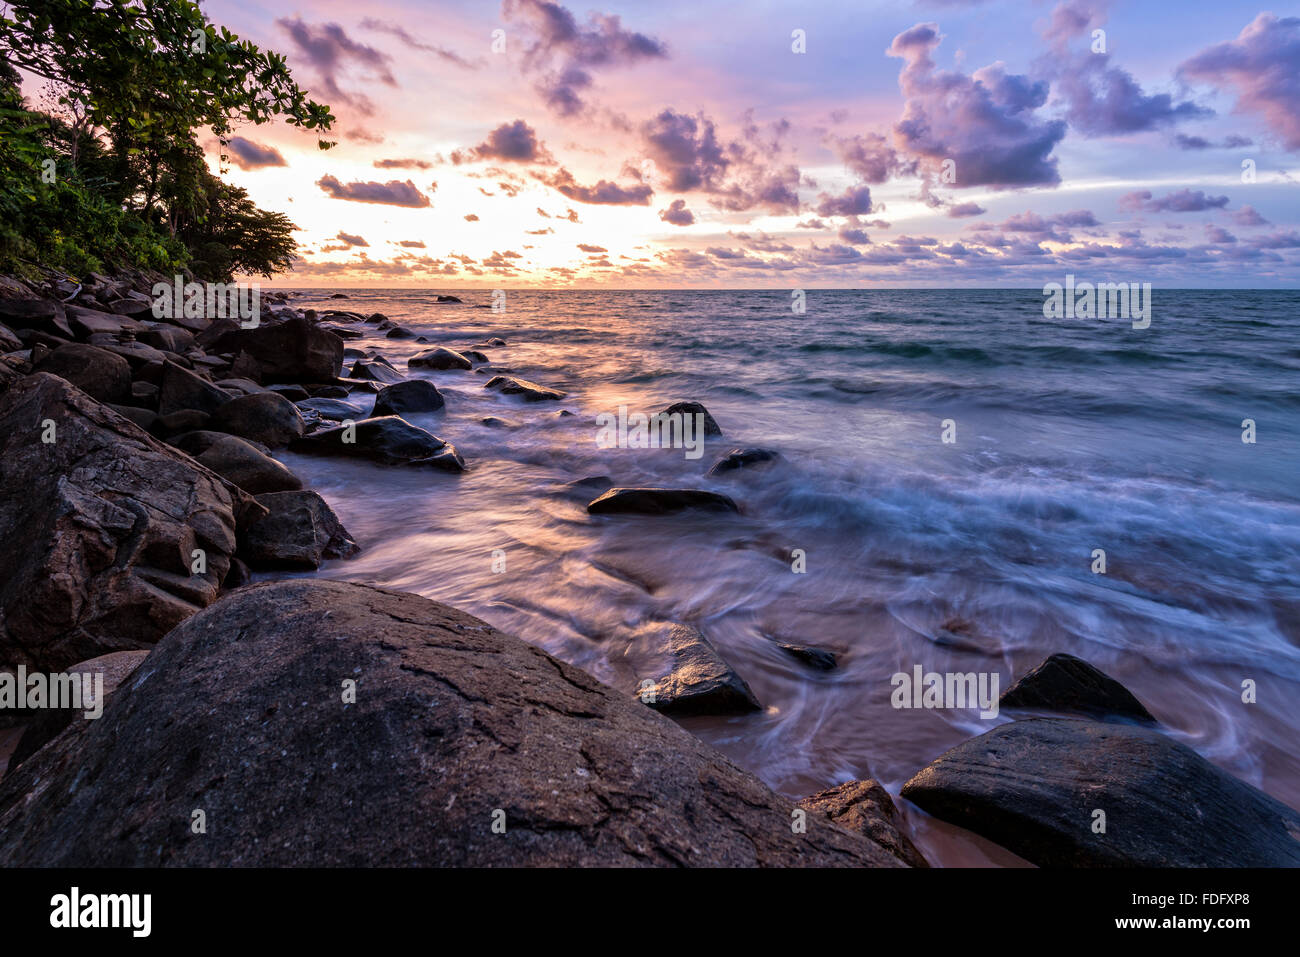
(689,144)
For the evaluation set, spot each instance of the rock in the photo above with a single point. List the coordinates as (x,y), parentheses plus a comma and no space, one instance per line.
(112,669)
(327,392)
(495,342)
(339,295)
(1032,786)
(245,465)
(182,389)
(698,681)
(494,422)
(167,338)
(238,712)
(1069,685)
(137,354)
(292,351)
(141,417)
(817,658)
(179,422)
(238,387)
(299,531)
(589,486)
(474,355)
(741,458)
(263,417)
(210,333)
(530,391)
(335,409)
(44,315)
(416,395)
(389,439)
(400,332)
(694,408)
(131,307)
(864,807)
(438,358)
(292,391)
(88,322)
(108,520)
(376,370)
(8,341)
(98,373)
(658,501)
(448,299)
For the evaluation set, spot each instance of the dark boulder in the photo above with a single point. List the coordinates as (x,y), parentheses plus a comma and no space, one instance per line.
(88,322)
(1034,787)
(415,395)
(244,712)
(335,409)
(658,501)
(167,338)
(299,531)
(439,358)
(1069,685)
(98,373)
(292,351)
(44,315)
(389,439)
(263,417)
(240,462)
(104,530)
(528,391)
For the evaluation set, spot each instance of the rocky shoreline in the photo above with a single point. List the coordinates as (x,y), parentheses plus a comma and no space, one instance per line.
(314,722)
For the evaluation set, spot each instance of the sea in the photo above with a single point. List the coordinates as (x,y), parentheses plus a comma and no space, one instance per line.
(962,485)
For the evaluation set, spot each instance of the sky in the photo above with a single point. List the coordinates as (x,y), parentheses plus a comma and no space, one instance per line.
(766,145)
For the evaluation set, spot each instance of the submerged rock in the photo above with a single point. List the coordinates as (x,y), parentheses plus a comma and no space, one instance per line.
(694,408)
(455,727)
(529,391)
(817,658)
(103,525)
(699,680)
(658,501)
(389,439)
(864,807)
(743,458)
(299,531)
(1070,685)
(1034,787)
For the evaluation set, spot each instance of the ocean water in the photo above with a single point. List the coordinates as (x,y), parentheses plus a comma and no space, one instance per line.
(974,555)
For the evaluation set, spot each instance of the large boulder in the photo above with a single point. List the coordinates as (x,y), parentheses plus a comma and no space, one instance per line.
(45,315)
(299,531)
(1069,685)
(97,372)
(264,417)
(658,501)
(292,351)
(1035,787)
(389,439)
(414,395)
(88,322)
(320,723)
(102,528)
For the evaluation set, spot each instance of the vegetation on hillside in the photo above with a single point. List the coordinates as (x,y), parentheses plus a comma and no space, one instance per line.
(109,172)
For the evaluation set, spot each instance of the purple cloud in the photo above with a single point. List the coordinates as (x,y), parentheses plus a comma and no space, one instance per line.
(677,214)
(392,193)
(1263,66)
(248,155)
(1182,201)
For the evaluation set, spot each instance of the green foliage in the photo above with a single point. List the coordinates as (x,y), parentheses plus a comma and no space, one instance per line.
(136,82)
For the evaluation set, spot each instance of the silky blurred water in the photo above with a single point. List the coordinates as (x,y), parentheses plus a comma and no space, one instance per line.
(1071,435)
